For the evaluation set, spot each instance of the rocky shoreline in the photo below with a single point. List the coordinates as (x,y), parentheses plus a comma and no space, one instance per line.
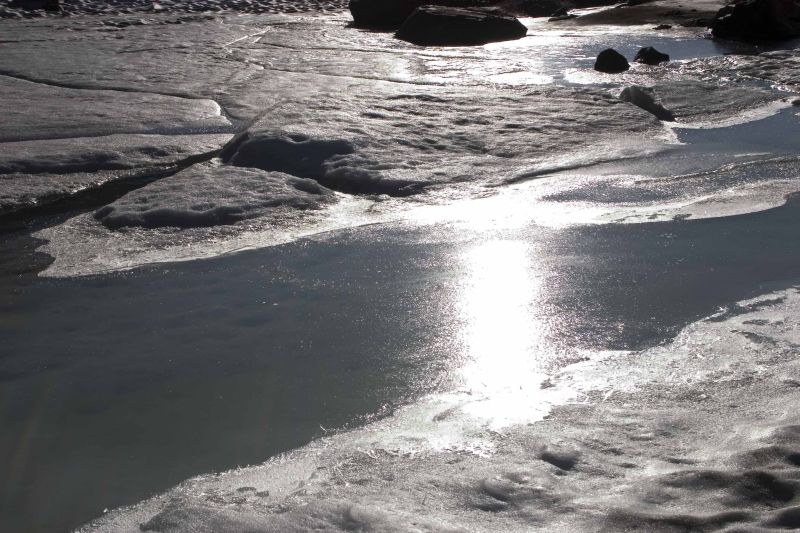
(37,8)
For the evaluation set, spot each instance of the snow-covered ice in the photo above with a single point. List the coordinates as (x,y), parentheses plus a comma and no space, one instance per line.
(33,173)
(369,116)
(35,110)
(231,130)
(212,196)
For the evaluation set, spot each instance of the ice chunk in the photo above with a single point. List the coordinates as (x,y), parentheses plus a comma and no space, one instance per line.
(316,159)
(209,196)
(112,152)
(34,173)
(643,97)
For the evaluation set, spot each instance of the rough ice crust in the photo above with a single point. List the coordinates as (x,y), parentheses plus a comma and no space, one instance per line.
(660,439)
(405,140)
(733,189)
(696,101)
(41,111)
(779,67)
(368,115)
(33,173)
(205,196)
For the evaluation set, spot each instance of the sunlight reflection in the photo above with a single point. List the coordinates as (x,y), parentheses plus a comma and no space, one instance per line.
(502,333)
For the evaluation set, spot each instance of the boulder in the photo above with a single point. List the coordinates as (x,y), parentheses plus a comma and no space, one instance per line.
(758,20)
(449,26)
(390,14)
(611,61)
(650,56)
(644,98)
(560,18)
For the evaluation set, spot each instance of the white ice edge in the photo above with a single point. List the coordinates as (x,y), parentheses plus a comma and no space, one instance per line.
(751,115)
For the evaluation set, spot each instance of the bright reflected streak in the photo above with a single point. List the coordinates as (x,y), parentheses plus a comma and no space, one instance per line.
(502,333)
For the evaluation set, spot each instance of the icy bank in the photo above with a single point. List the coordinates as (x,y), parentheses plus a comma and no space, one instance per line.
(660,438)
(384,124)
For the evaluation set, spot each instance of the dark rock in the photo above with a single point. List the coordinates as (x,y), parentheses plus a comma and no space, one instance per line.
(52,6)
(390,14)
(562,14)
(644,98)
(382,14)
(650,56)
(565,460)
(540,8)
(758,20)
(558,18)
(449,26)
(593,3)
(611,61)
(663,27)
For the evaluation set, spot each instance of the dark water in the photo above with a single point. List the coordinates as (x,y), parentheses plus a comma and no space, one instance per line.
(116,387)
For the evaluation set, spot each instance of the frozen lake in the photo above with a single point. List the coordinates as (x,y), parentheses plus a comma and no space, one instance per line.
(477,282)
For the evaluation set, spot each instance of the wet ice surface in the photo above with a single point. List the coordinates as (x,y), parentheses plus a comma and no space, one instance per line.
(498,283)
(371,117)
(672,449)
(602,463)
(207,365)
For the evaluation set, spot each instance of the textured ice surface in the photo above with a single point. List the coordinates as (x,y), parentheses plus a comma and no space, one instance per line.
(431,136)
(209,196)
(359,112)
(112,152)
(458,145)
(779,67)
(40,111)
(659,439)
(35,172)
(733,189)
(712,103)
